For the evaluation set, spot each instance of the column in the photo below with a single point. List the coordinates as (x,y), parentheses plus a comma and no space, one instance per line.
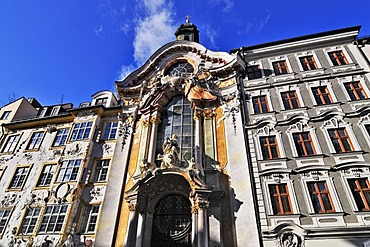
(154,121)
(197,140)
(201,233)
(131,235)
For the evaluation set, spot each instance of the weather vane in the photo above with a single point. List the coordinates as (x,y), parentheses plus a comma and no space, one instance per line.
(187,19)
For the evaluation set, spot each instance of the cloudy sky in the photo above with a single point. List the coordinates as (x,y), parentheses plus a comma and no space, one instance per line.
(66,50)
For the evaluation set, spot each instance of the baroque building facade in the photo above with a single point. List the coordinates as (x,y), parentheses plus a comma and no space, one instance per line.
(264,146)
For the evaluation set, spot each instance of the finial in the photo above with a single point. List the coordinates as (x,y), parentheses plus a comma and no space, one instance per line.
(187,19)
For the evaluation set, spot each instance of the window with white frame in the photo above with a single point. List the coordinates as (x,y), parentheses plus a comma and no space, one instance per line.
(35,141)
(280,199)
(303,143)
(46,175)
(360,189)
(68,170)
(5,115)
(29,221)
(355,90)
(102,101)
(53,219)
(320,193)
(308,63)
(101,170)
(339,135)
(280,67)
(81,131)
(269,144)
(337,58)
(253,72)
(61,137)
(321,92)
(4,218)
(110,131)
(260,104)
(290,97)
(19,177)
(91,213)
(10,143)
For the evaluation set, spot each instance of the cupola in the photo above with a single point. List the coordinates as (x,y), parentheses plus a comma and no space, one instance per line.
(187,31)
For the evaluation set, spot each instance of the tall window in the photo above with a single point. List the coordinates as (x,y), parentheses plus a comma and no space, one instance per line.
(320,197)
(4,217)
(360,188)
(290,100)
(269,147)
(91,218)
(340,139)
(68,170)
(254,72)
(10,144)
(81,131)
(260,104)
(53,219)
(355,90)
(30,220)
(178,120)
(303,144)
(101,170)
(46,175)
(338,58)
(5,115)
(35,141)
(19,177)
(322,95)
(280,199)
(110,131)
(61,137)
(308,63)
(280,67)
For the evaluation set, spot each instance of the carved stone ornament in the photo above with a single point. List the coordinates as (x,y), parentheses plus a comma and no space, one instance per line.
(75,150)
(96,192)
(9,200)
(146,168)
(124,128)
(195,172)
(51,128)
(230,108)
(171,153)
(106,148)
(289,239)
(35,199)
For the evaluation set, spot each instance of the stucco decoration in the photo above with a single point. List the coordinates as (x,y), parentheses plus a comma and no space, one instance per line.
(230,106)
(63,193)
(146,168)
(46,240)
(124,128)
(9,200)
(50,128)
(75,150)
(107,149)
(171,150)
(289,239)
(35,199)
(97,193)
(196,172)
(85,114)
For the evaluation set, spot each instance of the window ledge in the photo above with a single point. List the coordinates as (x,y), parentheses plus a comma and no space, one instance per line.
(352,156)
(328,219)
(312,73)
(342,68)
(277,219)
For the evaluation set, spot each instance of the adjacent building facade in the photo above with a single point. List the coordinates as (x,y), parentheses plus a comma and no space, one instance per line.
(267,145)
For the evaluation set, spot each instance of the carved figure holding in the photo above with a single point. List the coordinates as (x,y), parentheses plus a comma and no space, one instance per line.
(290,239)
(171,149)
(195,172)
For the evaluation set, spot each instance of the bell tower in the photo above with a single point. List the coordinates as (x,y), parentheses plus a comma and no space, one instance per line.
(187,31)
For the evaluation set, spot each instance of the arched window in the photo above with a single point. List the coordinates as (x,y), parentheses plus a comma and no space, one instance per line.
(182,69)
(172,222)
(178,120)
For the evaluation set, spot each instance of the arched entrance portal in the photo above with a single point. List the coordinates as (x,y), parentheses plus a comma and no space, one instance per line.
(172,222)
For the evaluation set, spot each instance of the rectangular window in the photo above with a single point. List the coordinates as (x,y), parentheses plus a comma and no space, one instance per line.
(4,217)
(322,95)
(260,104)
(35,141)
(46,175)
(10,144)
(102,101)
(340,139)
(303,144)
(91,218)
(53,219)
(360,188)
(110,131)
(308,63)
(280,67)
(355,90)
(30,220)
(61,137)
(68,170)
(290,100)
(5,115)
(254,72)
(337,58)
(320,197)
(269,147)
(280,199)
(81,131)
(101,170)
(19,177)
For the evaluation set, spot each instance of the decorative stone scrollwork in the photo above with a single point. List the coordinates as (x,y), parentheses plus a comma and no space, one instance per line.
(208,113)
(195,172)
(197,114)
(230,106)
(289,239)
(203,204)
(96,192)
(124,128)
(9,200)
(35,199)
(75,150)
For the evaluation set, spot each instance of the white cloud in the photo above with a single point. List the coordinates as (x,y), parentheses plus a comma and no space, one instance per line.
(229,4)
(153,30)
(264,21)
(125,71)
(211,34)
(98,30)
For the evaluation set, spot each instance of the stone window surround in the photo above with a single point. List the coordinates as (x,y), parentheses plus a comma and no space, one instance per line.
(337,48)
(355,78)
(305,54)
(259,64)
(268,130)
(261,92)
(287,88)
(278,59)
(320,83)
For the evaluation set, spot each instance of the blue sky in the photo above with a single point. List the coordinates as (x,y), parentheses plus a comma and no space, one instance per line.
(66,50)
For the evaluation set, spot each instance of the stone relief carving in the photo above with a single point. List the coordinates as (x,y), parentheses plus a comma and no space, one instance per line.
(230,106)
(289,239)
(195,172)
(35,199)
(74,150)
(106,148)
(96,193)
(9,200)
(124,128)
(146,168)
(50,128)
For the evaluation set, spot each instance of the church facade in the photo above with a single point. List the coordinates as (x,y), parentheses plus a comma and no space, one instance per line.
(264,146)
